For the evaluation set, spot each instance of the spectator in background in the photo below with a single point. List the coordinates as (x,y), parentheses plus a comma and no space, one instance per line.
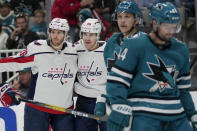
(7,17)
(21,36)
(23,83)
(105,8)
(189,7)
(3,38)
(40,26)
(31,5)
(93,13)
(145,3)
(68,9)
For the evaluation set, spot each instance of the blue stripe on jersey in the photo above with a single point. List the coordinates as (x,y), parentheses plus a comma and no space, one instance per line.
(52,53)
(69,54)
(99,51)
(80,50)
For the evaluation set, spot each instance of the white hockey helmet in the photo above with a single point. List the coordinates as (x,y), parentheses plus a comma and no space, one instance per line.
(91,26)
(59,24)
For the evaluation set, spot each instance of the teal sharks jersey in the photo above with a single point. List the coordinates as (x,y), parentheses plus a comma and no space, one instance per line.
(112,49)
(153,81)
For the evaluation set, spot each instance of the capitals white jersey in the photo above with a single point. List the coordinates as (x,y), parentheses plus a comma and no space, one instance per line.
(53,72)
(92,72)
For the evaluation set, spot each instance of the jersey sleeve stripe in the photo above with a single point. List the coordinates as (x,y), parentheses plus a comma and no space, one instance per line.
(118,79)
(154,101)
(160,111)
(184,86)
(122,73)
(17,60)
(121,69)
(184,78)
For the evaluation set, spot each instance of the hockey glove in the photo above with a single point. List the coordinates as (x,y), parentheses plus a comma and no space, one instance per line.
(7,95)
(100,109)
(119,117)
(194,122)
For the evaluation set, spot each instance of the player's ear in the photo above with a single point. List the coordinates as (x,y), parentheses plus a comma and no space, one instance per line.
(137,20)
(154,24)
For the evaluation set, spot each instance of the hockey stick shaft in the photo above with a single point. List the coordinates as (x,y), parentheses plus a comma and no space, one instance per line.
(57,108)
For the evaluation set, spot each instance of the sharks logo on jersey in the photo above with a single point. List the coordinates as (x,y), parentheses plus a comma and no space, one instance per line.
(163,75)
(111,61)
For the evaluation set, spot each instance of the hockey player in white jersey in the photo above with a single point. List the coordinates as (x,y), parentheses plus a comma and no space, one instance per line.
(91,76)
(54,67)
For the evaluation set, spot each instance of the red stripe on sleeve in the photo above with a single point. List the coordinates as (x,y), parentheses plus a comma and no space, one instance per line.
(17,60)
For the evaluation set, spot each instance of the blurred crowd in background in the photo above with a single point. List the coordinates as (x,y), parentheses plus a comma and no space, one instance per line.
(23,21)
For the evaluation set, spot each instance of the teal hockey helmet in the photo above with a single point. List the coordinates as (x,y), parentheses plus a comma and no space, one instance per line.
(165,13)
(129,7)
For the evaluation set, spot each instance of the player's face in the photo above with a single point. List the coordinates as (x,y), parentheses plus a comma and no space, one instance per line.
(125,22)
(57,37)
(90,40)
(166,31)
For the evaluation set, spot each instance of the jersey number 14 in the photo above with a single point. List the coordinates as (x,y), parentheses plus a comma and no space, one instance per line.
(122,54)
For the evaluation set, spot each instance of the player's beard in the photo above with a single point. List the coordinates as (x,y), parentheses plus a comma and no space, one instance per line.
(162,37)
(57,44)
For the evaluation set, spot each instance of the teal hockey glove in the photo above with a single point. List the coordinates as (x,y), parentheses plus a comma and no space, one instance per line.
(194,122)
(100,109)
(119,117)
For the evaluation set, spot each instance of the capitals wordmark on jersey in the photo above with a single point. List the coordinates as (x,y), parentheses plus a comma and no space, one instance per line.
(88,71)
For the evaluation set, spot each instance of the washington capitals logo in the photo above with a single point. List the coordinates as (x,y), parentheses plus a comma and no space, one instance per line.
(111,62)
(163,75)
(90,71)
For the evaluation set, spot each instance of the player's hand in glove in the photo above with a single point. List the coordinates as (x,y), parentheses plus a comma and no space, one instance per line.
(8,95)
(100,108)
(119,117)
(194,122)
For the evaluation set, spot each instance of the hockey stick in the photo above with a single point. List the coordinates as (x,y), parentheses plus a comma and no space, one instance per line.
(57,108)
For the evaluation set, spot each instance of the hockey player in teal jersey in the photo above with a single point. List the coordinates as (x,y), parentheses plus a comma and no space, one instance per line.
(128,15)
(150,80)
